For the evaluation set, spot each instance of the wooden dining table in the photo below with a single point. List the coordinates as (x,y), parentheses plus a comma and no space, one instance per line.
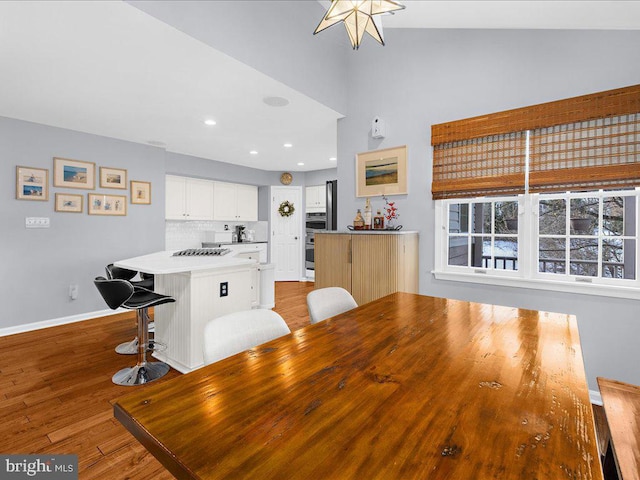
(405,387)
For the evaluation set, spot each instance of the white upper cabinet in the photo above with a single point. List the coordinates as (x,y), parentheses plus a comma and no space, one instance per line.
(188,198)
(234,202)
(316,198)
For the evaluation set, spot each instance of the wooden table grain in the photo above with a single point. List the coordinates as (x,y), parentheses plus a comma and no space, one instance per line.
(407,386)
(621,403)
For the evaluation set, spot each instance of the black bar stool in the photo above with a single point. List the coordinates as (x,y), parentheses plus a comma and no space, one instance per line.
(113,272)
(121,293)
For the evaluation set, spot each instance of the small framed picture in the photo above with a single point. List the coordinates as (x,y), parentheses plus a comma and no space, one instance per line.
(140,192)
(68,202)
(113,178)
(112,205)
(74,174)
(378,222)
(32,183)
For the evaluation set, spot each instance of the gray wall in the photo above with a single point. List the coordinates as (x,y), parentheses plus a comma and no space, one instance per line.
(38,265)
(274,37)
(320,177)
(424,77)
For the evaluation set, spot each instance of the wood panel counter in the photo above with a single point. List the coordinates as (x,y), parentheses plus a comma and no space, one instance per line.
(367,263)
(405,387)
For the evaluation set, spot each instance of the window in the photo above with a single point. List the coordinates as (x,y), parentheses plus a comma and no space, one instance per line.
(545,196)
(584,240)
(483,234)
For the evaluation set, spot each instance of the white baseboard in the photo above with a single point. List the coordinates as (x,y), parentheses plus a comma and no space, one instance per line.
(54,322)
(595,397)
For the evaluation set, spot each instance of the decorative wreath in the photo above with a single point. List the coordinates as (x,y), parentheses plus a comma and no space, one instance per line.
(286,209)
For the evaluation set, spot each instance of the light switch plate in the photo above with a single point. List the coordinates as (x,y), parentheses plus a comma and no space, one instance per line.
(37,222)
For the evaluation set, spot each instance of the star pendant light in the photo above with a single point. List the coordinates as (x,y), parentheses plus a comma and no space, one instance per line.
(358,16)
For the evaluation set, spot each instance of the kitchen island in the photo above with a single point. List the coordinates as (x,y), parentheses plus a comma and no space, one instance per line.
(204,287)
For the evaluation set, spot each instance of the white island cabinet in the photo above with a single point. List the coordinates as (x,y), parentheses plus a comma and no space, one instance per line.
(204,288)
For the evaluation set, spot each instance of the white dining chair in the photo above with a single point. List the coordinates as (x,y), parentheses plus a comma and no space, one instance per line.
(327,302)
(239,331)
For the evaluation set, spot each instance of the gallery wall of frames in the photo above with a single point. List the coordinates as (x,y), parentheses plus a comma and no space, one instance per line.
(33,184)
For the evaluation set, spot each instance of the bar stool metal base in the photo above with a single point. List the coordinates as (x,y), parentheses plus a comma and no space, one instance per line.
(140,374)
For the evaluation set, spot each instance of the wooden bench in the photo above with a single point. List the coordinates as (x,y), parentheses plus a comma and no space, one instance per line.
(622,408)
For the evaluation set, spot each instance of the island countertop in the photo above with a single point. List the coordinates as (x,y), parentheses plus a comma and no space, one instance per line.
(159,263)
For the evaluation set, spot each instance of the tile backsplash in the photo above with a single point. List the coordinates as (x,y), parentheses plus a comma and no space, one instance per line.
(180,235)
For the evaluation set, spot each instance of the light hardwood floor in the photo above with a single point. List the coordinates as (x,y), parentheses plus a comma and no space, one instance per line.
(56,395)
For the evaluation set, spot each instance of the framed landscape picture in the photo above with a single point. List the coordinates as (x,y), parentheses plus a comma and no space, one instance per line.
(32,183)
(381,172)
(140,192)
(68,202)
(112,205)
(113,178)
(74,174)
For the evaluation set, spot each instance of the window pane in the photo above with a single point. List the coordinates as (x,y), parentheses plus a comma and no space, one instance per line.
(618,258)
(552,217)
(481,221)
(505,253)
(459,217)
(583,254)
(619,216)
(551,255)
(481,252)
(459,251)
(584,216)
(506,217)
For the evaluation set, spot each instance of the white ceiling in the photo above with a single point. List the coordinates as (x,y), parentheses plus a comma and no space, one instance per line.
(109,69)
(537,14)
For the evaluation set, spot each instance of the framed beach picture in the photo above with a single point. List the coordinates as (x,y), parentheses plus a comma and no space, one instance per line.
(32,183)
(68,202)
(74,173)
(113,178)
(381,172)
(140,192)
(113,205)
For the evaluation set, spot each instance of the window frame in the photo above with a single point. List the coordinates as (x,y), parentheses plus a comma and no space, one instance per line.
(527,275)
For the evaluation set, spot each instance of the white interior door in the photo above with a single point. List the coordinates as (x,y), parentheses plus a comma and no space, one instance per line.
(287,240)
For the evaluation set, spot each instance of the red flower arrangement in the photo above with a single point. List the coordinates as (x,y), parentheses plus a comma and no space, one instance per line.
(391,212)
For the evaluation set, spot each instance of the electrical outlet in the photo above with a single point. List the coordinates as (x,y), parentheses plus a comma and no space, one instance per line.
(73,291)
(224,289)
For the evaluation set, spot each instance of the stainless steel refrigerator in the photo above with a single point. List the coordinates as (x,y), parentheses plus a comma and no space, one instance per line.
(332,205)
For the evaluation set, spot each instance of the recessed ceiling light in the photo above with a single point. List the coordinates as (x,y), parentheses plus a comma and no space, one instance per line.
(300,163)
(288,145)
(253,152)
(209,122)
(333,159)
(276,101)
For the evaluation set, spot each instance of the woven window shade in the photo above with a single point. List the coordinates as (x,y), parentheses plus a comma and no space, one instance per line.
(593,154)
(581,143)
(492,165)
